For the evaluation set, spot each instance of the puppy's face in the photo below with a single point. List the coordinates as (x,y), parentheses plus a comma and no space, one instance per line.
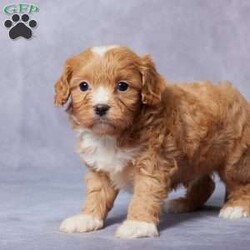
(108,86)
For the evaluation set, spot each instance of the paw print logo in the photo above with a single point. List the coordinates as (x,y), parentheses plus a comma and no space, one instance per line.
(20,26)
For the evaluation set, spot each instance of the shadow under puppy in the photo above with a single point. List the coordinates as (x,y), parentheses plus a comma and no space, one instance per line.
(137,132)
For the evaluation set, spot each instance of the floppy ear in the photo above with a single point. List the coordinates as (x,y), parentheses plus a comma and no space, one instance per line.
(62,88)
(152,83)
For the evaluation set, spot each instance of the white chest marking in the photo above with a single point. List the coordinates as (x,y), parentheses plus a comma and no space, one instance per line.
(101,50)
(102,153)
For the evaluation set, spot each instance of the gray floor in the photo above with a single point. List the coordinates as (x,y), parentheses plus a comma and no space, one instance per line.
(35,201)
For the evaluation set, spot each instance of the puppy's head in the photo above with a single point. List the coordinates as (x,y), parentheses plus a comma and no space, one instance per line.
(107,87)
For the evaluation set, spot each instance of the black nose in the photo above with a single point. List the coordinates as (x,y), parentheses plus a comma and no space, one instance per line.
(101,109)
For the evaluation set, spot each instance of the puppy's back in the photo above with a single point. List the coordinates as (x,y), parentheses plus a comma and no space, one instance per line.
(212,113)
(222,99)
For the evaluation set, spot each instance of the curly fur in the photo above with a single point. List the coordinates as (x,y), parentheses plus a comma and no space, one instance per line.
(159,136)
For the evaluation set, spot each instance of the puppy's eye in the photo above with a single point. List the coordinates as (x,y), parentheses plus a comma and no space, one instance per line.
(122,86)
(83,86)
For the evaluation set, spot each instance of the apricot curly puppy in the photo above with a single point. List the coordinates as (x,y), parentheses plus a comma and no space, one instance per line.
(137,132)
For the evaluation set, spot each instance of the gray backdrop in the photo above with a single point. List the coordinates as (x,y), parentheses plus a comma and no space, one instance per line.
(188,39)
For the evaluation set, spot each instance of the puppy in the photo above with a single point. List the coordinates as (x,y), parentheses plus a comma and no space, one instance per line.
(138,133)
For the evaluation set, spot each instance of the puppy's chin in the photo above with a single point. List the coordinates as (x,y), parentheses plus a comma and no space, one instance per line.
(103,128)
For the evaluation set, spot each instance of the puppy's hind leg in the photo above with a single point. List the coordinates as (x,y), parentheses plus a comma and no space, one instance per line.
(237,181)
(198,192)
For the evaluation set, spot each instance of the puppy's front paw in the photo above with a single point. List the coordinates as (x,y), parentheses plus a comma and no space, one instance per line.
(80,223)
(136,229)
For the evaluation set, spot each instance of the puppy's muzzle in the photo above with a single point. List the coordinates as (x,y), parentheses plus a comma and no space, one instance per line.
(101,109)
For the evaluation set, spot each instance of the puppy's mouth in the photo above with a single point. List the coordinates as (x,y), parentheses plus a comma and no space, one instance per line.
(103,126)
